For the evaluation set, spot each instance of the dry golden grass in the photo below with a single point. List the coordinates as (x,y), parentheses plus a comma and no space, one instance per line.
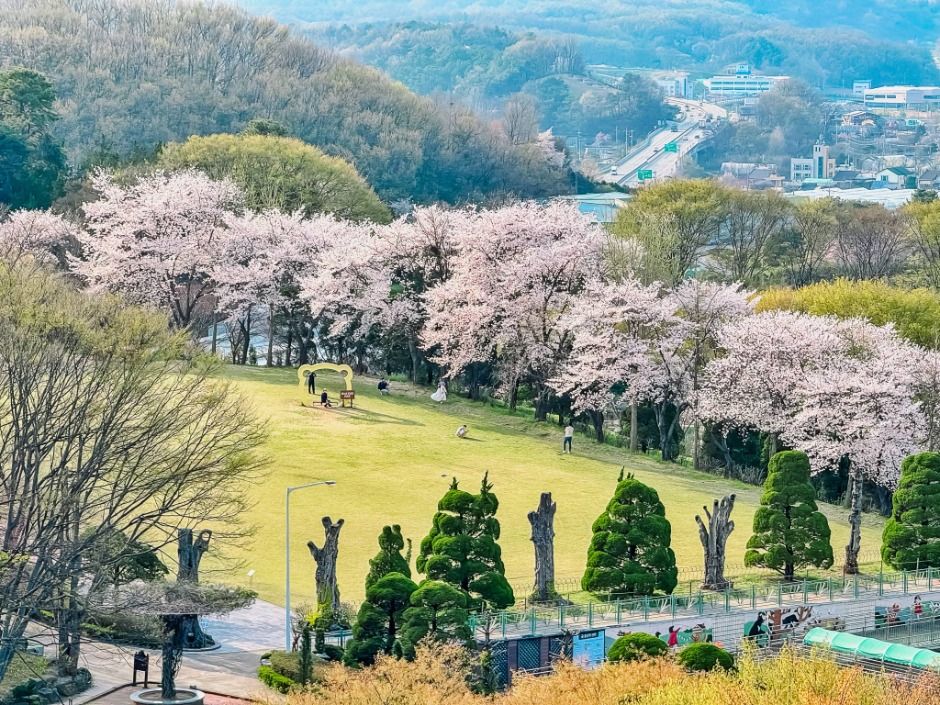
(436,678)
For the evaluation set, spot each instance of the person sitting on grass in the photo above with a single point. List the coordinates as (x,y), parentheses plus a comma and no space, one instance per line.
(325,399)
(383,386)
(462,431)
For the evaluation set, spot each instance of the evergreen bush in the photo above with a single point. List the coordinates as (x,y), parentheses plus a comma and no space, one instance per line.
(789,531)
(636,646)
(911,537)
(705,657)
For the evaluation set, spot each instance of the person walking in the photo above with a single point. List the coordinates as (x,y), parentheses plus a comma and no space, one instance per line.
(440,396)
(569,435)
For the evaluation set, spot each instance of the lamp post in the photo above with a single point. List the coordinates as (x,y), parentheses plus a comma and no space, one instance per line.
(287,616)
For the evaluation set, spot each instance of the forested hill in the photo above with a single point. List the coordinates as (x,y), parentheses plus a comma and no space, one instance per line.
(826,44)
(133,74)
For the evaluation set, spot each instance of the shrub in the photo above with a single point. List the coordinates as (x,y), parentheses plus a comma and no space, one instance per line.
(629,552)
(633,647)
(789,531)
(910,538)
(273,679)
(332,652)
(285,664)
(705,657)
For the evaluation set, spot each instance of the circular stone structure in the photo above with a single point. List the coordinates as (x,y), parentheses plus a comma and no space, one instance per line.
(153,696)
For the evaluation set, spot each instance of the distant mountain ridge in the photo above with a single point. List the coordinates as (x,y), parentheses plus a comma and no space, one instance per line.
(827,44)
(133,74)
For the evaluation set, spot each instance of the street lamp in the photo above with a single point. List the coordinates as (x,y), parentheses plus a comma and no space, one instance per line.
(287,616)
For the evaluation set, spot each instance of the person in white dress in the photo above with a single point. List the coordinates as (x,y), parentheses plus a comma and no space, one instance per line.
(440,396)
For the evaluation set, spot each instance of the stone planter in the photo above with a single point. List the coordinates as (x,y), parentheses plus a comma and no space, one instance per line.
(152,696)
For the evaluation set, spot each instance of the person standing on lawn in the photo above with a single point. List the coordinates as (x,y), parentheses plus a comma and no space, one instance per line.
(569,435)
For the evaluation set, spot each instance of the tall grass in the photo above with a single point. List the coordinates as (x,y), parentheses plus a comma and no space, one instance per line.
(436,678)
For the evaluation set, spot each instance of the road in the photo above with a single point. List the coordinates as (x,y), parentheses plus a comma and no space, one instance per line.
(651,154)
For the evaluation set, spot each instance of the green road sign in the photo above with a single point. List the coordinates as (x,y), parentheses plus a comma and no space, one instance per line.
(644,174)
(671,147)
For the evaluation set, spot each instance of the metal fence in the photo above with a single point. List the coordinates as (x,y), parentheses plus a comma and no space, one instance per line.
(539,619)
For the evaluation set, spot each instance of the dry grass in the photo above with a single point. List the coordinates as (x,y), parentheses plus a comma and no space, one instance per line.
(434,678)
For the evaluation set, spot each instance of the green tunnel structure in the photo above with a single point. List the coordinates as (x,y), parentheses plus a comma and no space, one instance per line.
(872,649)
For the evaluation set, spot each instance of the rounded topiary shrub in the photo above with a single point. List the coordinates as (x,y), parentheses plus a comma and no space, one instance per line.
(705,657)
(633,647)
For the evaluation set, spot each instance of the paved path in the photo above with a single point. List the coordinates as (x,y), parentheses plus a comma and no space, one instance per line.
(230,670)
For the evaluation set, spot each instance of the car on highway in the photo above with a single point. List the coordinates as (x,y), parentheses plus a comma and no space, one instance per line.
(614,169)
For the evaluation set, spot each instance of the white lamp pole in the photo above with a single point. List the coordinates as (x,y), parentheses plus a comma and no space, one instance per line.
(287,615)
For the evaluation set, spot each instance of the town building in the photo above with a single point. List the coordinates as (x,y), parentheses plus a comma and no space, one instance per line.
(896,177)
(929,179)
(859,88)
(903,97)
(741,85)
(673,85)
(820,166)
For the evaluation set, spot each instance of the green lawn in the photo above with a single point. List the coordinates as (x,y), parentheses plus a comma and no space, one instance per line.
(393,457)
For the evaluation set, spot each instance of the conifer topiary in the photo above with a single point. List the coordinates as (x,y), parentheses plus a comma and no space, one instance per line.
(911,538)
(389,559)
(630,551)
(789,531)
(462,550)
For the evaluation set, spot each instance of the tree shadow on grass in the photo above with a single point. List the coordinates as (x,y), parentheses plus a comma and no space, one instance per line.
(359,415)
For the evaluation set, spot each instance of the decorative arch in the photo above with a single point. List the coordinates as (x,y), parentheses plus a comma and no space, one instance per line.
(344,370)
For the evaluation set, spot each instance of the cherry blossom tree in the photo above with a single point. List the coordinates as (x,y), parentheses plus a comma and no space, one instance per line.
(40,234)
(636,342)
(157,240)
(516,273)
(843,391)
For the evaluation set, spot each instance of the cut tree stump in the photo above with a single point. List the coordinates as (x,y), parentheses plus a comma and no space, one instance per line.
(543,537)
(190,552)
(714,537)
(325,558)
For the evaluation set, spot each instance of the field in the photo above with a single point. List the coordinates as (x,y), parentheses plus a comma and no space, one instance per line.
(392,458)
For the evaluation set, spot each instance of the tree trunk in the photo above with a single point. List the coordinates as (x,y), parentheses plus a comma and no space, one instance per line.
(271,336)
(172,655)
(514,395)
(215,334)
(189,552)
(597,421)
(325,558)
(856,484)
(543,537)
(634,431)
(246,343)
(415,358)
(541,403)
(289,343)
(695,446)
(714,538)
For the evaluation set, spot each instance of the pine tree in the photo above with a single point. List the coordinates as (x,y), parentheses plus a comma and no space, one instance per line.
(911,537)
(789,531)
(630,551)
(462,550)
(388,592)
(438,611)
(379,617)
(389,558)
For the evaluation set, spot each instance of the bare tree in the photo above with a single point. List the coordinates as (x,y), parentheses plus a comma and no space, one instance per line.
(325,558)
(521,118)
(714,537)
(810,240)
(872,242)
(753,223)
(108,422)
(543,537)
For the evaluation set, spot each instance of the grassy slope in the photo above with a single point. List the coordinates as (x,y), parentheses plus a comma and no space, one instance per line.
(393,457)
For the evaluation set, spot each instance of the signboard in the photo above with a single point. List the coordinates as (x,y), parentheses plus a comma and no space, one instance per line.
(671,147)
(347,395)
(644,174)
(587,648)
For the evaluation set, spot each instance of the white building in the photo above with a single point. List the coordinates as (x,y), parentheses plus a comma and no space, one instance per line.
(673,85)
(740,85)
(896,176)
(903,97)
(820,166)
(859,88)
